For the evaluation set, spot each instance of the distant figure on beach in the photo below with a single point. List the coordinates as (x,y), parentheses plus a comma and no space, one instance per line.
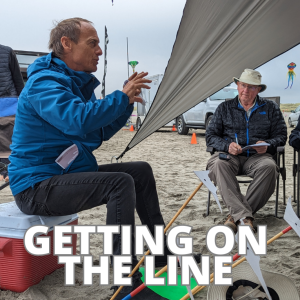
(245,120)
(11,85)
(59,123)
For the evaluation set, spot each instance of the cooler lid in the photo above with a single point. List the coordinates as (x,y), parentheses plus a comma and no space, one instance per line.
(14,223)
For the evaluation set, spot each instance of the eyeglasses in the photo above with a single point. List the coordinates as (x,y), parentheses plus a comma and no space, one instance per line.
(252,88)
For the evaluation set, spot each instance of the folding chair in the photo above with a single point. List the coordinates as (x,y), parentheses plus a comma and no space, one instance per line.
(245,179)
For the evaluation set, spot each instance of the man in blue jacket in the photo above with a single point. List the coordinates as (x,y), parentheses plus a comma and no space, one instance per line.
(59,123)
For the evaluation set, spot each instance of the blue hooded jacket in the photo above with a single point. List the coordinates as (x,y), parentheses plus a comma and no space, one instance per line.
(56,109)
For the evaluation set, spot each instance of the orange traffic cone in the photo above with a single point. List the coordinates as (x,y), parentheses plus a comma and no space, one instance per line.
(194,139)
(131,128)
(174,128)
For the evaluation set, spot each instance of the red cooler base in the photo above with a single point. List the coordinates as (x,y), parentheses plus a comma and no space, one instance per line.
(19,270)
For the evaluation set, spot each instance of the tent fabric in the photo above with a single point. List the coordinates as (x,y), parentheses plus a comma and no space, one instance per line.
(216,41)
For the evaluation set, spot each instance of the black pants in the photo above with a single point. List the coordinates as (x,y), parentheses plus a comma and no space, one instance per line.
(122,187)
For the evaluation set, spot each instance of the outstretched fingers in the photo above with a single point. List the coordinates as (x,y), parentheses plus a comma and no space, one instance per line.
(133,87)
(138,99)
(141,86)
(132,76)
(140,75)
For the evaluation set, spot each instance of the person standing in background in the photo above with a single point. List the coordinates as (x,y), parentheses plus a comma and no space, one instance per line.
(11,85)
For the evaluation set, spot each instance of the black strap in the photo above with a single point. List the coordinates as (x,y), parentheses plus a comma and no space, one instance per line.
(242,282)
(122,154)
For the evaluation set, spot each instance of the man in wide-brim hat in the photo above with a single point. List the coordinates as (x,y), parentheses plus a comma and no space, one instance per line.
(245,120)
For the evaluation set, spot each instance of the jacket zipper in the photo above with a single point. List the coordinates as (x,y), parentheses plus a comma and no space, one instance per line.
(247,119)
(247,132)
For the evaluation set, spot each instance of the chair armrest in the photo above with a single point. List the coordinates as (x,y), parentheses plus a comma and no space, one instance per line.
(280,149)
(210,149)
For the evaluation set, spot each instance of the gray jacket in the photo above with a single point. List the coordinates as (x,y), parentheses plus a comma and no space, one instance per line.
(11,81)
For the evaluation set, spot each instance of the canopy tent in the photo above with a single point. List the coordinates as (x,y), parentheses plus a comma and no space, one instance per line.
(217,40)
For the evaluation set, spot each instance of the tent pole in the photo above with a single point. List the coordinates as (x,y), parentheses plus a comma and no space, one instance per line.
(127,59)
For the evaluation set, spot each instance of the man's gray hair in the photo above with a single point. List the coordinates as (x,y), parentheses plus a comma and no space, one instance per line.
(69,28)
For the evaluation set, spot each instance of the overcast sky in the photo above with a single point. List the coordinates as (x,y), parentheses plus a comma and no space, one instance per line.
(150,25)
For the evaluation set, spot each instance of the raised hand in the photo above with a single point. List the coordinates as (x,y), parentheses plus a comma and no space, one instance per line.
(134,85)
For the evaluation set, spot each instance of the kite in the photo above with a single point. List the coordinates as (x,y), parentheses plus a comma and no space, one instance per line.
(133,64)
(291,74)
(112,2)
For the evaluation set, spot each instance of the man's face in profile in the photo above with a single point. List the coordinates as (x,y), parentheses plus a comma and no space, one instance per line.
(85,54)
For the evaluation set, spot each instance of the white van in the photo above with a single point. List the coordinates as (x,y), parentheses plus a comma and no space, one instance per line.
(148,96)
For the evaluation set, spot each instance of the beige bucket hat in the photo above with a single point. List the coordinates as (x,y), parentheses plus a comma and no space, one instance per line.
(282,285)
(251,77)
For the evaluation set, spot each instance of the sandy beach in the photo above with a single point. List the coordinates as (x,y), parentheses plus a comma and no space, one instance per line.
(173,160)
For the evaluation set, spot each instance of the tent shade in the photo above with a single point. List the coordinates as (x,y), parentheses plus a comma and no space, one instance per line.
(217,40)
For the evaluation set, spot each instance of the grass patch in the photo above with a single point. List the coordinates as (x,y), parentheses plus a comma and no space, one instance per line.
(288,106)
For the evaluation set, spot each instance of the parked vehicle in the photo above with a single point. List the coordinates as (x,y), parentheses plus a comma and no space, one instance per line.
(148,96)
(200,115)
(25,58)
(293,117)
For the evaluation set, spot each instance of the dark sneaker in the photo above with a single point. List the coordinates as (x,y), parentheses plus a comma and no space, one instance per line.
(230,223)
(249,221)
(145,294)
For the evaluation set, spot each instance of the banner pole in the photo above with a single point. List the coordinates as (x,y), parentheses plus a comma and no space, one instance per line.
(127,59)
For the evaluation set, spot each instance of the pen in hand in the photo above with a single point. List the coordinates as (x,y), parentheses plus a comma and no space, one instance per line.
(236,139)
(237,142)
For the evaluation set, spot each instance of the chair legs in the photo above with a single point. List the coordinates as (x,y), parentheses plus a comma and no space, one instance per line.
(208,203)
(282,171)
(296,167)
(298,182)
(294,175)
(277,191)
(277,185)
(283,174)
